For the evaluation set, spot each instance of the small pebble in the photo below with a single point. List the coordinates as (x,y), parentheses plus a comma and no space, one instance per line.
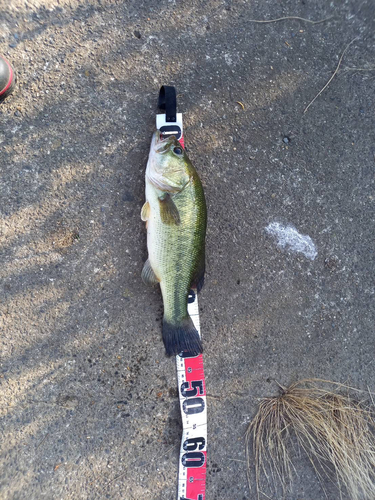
(137,34)
(286,140)
(331,263)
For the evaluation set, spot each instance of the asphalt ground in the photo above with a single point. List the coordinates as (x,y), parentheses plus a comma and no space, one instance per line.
(89,406)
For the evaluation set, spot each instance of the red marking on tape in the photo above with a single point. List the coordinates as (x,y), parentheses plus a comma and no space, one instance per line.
(194,371)
(196,481)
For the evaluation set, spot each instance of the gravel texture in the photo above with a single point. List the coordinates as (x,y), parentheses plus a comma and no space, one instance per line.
(89,406)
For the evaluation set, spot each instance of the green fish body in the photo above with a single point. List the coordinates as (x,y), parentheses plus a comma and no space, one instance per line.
(175,215)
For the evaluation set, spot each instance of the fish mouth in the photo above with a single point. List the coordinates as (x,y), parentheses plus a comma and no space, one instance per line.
(160,145)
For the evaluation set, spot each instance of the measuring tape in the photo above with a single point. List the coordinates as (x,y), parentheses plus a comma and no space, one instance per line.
(190,373)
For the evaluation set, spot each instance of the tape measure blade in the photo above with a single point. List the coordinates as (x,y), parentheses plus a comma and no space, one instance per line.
(191,387)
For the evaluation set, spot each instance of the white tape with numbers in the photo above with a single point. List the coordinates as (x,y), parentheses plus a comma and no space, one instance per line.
(191,387)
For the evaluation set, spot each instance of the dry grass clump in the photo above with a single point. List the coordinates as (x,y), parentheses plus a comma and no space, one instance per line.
(335,431)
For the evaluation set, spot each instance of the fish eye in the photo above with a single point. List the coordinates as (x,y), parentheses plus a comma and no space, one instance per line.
(177,150)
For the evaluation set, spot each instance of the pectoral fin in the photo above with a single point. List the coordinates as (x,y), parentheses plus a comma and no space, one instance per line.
(168,211)
(145,212)
(148,275)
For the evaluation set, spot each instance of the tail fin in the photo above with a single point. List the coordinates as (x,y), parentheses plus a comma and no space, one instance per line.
(181,337)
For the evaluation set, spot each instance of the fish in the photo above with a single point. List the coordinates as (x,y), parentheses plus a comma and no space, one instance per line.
(175,213)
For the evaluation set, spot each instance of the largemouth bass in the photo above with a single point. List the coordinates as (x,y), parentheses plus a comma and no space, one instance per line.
(175,215)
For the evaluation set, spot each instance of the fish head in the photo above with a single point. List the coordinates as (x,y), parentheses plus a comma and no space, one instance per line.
(168,165)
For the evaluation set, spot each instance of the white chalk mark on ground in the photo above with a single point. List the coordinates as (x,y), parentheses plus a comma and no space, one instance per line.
(289,238)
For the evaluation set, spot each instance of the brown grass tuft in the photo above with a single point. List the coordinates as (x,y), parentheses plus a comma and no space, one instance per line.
(335,431)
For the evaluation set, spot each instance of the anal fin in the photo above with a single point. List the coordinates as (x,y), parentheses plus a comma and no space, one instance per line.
(148,275)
